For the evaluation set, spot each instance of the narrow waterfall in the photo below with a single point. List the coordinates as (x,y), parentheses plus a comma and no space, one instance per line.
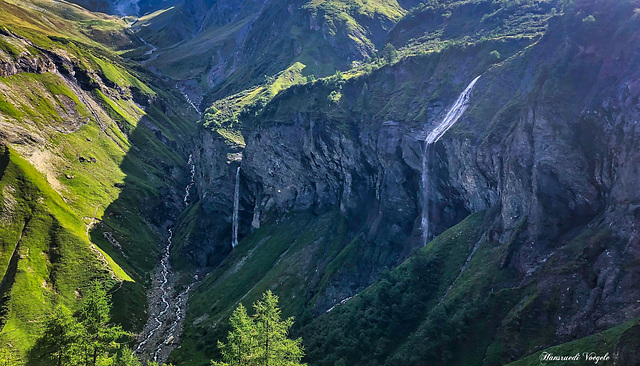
(236,203)
(191,182)
(453,114)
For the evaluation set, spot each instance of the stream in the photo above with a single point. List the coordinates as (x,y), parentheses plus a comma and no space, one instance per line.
(167,306)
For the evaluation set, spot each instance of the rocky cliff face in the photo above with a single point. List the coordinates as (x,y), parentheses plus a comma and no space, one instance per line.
(367,166)
(548,147)
(558,161)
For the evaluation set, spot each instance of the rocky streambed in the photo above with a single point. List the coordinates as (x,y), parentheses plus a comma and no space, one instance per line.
(167,302)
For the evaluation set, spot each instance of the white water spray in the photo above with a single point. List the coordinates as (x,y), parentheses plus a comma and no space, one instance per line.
(454,113)
(236,203)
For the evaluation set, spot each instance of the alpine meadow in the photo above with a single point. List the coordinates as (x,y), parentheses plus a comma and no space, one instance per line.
(319,182)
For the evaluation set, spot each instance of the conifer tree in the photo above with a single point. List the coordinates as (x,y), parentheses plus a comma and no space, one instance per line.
(98,336)
(389,53)
(261,340)
(126,357)
(86,338)
(241,341)
(61,335)
(275,347)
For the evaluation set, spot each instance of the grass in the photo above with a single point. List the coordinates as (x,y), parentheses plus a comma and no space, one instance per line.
(54,255)
(8,108)
(34,97)
(121,77)
(224,115)
(346,9)
(600,343)
(279,256)
(359,332)
(462,30)
(94,165)
(62,20)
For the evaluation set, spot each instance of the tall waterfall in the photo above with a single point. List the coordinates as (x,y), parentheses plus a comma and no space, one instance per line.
(236,203)
(454,113)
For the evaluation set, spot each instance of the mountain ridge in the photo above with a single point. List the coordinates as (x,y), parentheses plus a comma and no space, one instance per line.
(320,128)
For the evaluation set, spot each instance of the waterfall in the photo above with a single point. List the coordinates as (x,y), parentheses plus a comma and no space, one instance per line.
(191,182)
(453,114)
(236,203)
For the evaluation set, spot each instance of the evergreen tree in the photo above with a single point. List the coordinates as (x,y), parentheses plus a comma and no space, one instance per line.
(261,340)
(86,338)
(241,339)
(98,336)
(275,347)
(61,335)
(126,357)
(389,53)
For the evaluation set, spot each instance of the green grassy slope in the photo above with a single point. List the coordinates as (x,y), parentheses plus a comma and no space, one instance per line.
(279,256)
(372,326)
(226,53)
(487,317)
(96,166)
(299,264)
(45,242)
(618,343)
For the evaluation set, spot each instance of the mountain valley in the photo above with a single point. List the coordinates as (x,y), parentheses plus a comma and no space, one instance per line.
(448,182)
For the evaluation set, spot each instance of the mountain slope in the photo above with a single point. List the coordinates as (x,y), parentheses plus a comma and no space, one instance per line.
(540,148)
(554,226)
(218,48)
(91,164)
(532,193)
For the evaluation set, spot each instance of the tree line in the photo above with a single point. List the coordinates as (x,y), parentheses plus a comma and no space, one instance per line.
(89,338)
(261,339)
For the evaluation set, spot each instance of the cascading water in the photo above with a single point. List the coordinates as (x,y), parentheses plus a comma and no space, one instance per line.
(156,321)
(236,203)
(191,182)
(164,325)
(453,114)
